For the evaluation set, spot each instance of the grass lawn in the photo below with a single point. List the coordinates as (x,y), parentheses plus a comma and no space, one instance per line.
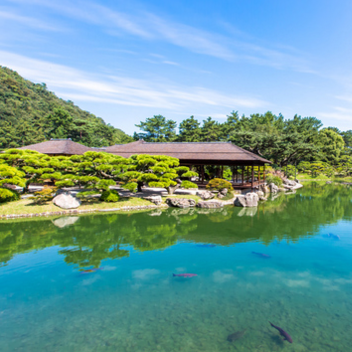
(321,177)
(26,206)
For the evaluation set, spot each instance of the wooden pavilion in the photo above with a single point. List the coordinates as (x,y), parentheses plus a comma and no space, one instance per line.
(58,147)
(248,169)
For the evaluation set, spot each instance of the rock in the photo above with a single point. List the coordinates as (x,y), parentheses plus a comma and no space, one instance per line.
(157,200)
(223,191)
(260,194)
(180,202)
(289,182)
(66,221)
(248,200)
(220,195)
(66,201)
(205,195)
(263,199)
(273,188)
(328,182)
(209,205)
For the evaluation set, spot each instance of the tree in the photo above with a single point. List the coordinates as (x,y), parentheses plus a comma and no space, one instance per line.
(331,145)
(211,130)
(155,171)
(10,176)
(158,129)
(189,130)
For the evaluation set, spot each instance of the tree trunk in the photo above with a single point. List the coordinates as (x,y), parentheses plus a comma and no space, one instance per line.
(139,186)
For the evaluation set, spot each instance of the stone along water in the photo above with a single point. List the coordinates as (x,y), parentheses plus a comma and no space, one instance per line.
(105,282)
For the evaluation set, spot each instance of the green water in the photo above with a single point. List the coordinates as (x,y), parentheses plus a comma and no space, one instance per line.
(133,303)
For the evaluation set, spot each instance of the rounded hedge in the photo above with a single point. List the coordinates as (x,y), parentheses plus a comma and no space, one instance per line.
(219,184)
(110,196)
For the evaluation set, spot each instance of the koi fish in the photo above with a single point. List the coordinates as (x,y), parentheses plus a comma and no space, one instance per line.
(261,255)
(283,333)
(184,275)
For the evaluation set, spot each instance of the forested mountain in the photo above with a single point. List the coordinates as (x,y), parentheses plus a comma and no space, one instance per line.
(29,114)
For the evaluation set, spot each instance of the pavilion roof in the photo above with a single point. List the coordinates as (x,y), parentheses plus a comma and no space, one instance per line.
(59,146)
(190,151)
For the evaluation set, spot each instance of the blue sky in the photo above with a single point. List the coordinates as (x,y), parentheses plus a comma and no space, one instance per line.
(128,60)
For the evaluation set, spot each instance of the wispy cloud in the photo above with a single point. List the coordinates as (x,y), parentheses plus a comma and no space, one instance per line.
(78,85)
(232,46)
(26,21)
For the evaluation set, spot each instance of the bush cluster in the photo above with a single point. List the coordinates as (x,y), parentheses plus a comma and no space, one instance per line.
(219,184)
(110,196)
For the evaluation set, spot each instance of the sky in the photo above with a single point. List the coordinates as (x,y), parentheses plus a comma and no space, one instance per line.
(126,61)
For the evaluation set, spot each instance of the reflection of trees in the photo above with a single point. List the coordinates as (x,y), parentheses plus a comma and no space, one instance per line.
(94,238)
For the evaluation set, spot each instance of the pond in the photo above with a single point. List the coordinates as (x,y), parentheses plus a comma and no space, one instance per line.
(105,282)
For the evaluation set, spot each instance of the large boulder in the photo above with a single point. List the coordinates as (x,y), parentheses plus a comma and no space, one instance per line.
(247,200)
(66,201)
(209,205)
(205,195)
(157,200)
(273,188)
(180,202)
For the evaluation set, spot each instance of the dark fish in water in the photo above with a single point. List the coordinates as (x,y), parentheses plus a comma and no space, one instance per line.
(283,333)
(236,336)
(206,245)
(262,255)
(335,237)
(89,271)
(184,275)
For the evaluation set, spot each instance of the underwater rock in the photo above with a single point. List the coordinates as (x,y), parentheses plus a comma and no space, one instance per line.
(209,205)
(236,335)
(65,221)
(180,202)
(248,200)
(66,201)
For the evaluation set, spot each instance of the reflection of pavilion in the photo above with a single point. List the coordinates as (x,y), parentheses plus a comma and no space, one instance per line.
(248,169)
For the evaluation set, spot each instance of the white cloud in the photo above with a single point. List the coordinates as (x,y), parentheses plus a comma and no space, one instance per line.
(78,85)
(234,46)
(26,21)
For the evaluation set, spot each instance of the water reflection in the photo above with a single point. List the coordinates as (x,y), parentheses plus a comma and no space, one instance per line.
(88,240)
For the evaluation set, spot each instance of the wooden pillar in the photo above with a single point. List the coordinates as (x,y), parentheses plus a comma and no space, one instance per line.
(222,171)
(242,175)
(202,171)
(264,172)
(252,177)
(259,167)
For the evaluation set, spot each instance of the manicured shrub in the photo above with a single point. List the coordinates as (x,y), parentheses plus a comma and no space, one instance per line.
(110,196)
(219,184)
(8,195)
(276,180)
(188,184)
(45,195)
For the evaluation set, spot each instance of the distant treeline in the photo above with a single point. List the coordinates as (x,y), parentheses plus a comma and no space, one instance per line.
(283,141)
(30,114)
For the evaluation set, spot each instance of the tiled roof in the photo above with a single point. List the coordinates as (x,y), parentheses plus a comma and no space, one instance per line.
(59,146)
(219,151)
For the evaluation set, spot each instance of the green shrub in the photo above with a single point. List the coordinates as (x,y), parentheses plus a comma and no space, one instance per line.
(110,196)
(45,195)
(276,180)
(188,184)
(8,195)
(219,184)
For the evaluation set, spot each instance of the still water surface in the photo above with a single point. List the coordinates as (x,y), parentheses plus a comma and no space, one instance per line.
(51,301)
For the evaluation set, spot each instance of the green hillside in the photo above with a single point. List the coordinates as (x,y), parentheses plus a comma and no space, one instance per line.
(29,114)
